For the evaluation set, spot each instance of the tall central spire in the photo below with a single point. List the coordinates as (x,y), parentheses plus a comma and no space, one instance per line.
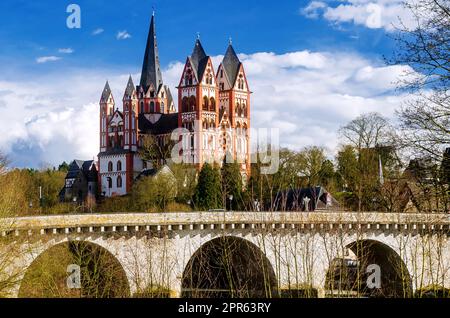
(151,70)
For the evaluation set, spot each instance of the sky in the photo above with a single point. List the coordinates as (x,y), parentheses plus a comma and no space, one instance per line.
(312,65)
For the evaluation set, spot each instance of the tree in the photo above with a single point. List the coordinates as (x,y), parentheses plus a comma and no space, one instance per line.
(154,192)
(425,117)
(64,167)
(156,149)
(208,190)
(231,184)
(367,136)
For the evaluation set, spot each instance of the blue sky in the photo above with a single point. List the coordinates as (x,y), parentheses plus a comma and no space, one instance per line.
(300,56)
(38,28)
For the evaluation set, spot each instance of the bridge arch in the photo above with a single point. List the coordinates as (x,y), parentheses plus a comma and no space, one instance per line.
(353,273)
(46,273)
(228,266)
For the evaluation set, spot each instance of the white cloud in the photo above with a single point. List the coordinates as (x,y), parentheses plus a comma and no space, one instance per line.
(313,9)
(373,14)
(45,59)
(123,35)
(97,31)
(307,95)
(66,50)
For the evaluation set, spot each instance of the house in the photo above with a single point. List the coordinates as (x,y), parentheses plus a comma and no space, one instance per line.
(81,182)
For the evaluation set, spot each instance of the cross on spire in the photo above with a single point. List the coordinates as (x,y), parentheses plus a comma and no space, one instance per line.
(230,40)
(198,35)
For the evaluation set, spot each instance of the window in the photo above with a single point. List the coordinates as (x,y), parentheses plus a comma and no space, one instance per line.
(109,183)
(119,182)
(119,165)
(212,104)
(192,103)
(152,107)
(221,73)
(110,166)
(205,103)
(142,107)
(162,107)
(221,86)
(185,104)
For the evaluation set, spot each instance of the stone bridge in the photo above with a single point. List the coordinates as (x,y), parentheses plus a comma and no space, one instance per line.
(271,253)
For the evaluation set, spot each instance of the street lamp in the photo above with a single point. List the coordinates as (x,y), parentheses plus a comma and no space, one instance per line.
(231,201)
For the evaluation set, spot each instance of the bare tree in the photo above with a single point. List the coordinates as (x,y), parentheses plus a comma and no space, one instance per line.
(425,48)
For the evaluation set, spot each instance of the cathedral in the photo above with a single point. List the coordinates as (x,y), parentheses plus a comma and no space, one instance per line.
(213,117)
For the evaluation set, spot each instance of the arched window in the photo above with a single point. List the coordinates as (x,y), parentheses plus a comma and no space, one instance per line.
(110,166)
(185,104)
(119,165)
(192,103)
(119,182)
(205,103)
(188,78)
(142,107)
(162,107)
(109,182)
(152,107)
(212,104)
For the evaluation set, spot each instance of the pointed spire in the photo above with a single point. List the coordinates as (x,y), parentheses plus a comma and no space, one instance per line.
(106,92)
(231,64)
(198,58)
(130,88)
(151,69)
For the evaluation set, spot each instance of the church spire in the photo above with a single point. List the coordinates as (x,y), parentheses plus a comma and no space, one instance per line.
(231,64)
(151,70)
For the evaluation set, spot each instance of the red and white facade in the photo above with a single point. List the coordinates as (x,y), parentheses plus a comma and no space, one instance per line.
(214,109)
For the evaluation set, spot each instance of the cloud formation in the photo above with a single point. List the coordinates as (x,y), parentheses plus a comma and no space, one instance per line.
(66,50)
(97,31)
(123,35)
(373,14)
(45,59)
(306,95)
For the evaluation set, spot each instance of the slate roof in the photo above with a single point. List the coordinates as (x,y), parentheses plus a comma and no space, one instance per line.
(198,59)
(292,199)
(130,87)
(165,125)
(151,69)
(78,166)
(231,64)
(106,91)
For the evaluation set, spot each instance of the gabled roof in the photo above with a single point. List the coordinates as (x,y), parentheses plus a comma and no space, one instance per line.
(198,59)
(151,69)
(78,166)
(165,125)
(231,64)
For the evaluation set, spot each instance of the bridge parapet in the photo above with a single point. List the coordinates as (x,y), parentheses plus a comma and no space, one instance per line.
(182,221)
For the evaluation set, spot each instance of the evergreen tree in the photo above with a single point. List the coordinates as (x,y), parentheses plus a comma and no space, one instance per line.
(232,185)
(208,190)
